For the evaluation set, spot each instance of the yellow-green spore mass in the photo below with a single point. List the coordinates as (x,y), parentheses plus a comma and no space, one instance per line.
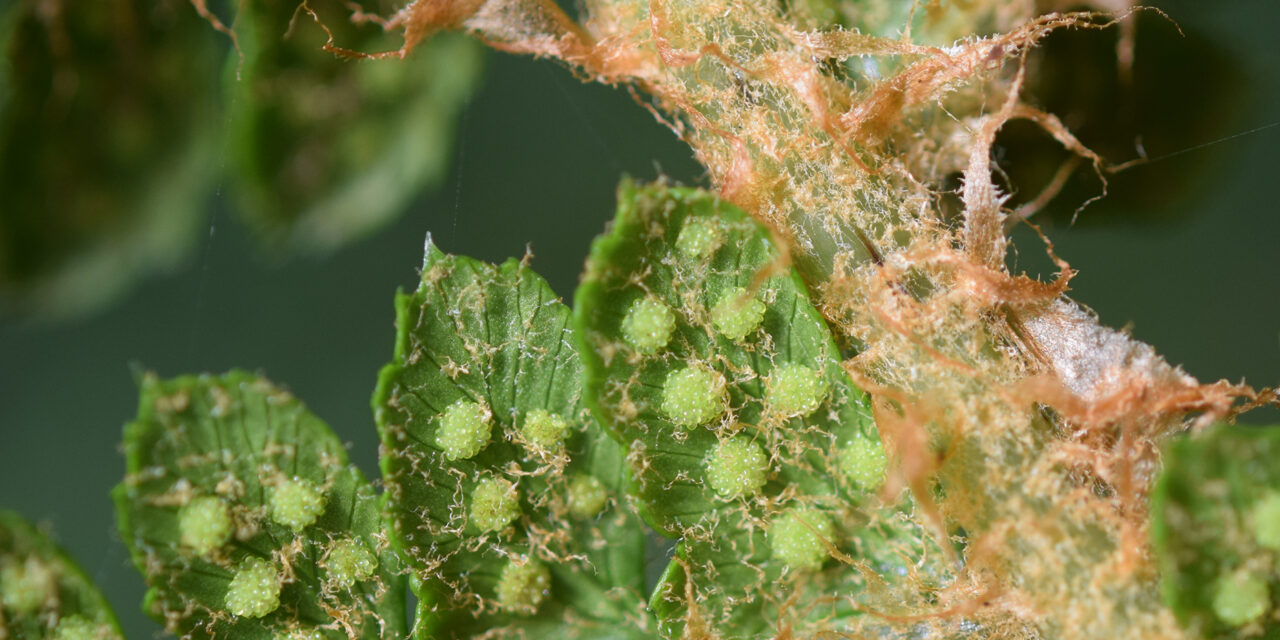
(693,396)
(204,524)
(862,461)
(296,503)
(349,562)
(698,239)
(794,390)
(737,467)
(1266,521)
(26,586)
(523,586)
(737,313)
(302,633)
(77,627)
(544,430)
(1241,598)
(586,496)
(648,325)
(796,538)
(495,503)
(463,430)
(255,589)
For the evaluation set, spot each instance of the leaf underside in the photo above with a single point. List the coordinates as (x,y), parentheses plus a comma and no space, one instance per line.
(238,438)
(725,579)
(1206,510)
(498,339)
(42,591)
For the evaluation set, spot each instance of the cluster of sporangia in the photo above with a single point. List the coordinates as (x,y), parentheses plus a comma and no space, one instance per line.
(696,395)
(205,526)
(464,429)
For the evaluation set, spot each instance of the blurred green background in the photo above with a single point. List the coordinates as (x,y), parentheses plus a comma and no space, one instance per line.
(1185,254)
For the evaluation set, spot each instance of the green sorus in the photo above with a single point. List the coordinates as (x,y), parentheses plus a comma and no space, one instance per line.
(255,589)
(698,239)
(862,461)
(78,627)
(648,325)
(296,503)
(1266,521)
(464,430)
(1241,598)
(737,313)
(544,430)
(693,396)
(587,496)
(797,537)
(204,524)
(26,586)
(303,633)
(495,502)
(348,562)
(737,467)
(794,390)
(523,585)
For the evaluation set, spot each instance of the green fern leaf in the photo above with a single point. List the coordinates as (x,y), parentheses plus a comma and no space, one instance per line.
(1216,527)
(506,498)
(43,593)
(242,512)
(746,438)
